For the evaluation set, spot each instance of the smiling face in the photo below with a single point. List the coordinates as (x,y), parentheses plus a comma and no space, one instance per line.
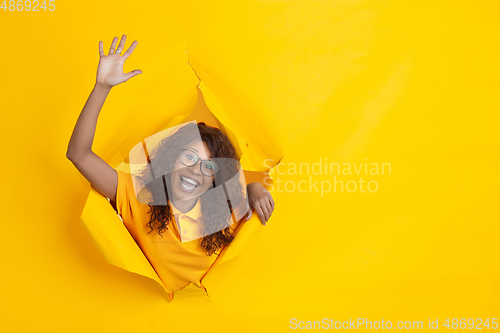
(189,182)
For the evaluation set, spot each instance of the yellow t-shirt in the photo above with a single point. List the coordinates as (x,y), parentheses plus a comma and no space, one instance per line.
(177,263)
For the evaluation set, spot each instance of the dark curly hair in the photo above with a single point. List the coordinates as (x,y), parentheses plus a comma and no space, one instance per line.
(163,158)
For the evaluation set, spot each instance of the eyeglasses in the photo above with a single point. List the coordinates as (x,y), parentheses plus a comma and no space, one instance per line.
(190,158)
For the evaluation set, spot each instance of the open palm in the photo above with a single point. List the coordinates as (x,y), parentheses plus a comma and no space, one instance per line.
(110,69)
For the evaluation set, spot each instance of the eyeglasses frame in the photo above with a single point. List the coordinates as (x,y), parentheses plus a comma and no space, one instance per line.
(198,160)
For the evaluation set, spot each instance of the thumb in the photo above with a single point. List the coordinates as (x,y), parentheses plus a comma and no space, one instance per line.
(249,214)
(132,74)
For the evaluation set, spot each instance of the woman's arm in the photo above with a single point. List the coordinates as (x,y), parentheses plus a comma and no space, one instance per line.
(109,73)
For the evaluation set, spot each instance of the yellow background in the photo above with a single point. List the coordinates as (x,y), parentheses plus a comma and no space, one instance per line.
(410,83)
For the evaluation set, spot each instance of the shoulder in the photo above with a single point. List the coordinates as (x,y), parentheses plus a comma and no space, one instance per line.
(131,191)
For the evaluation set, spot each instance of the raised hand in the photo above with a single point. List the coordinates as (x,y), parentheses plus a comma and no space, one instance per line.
(110,69)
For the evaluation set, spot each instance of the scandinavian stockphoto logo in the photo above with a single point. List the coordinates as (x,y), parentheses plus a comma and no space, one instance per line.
(176,167)
(326,176)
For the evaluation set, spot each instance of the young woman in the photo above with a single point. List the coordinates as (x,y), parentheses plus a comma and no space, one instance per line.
(181,252)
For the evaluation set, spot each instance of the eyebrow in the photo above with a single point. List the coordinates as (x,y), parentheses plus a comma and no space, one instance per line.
(199,152)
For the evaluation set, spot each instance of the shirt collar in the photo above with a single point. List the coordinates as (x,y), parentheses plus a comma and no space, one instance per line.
(194,213)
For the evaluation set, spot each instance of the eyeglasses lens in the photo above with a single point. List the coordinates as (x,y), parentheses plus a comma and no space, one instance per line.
(189,158)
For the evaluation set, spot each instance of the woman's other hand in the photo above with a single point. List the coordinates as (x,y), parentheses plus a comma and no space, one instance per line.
(110,69)
(261,200)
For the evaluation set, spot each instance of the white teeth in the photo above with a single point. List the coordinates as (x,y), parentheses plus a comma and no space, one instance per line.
(189,186)
(190,181)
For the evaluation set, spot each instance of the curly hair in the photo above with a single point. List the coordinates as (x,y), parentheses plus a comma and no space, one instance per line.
(164,157)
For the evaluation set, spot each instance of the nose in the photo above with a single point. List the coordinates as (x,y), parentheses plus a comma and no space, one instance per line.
(195,169)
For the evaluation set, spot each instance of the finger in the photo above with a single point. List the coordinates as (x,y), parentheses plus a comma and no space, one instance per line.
(271,200)
(270,208)
(113,44)
(101,51)
(132,74)
(122,43)
(249,214)
(266,212)
(261,214)
(129,50)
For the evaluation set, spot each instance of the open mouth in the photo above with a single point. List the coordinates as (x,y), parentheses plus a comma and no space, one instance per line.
(189,184)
